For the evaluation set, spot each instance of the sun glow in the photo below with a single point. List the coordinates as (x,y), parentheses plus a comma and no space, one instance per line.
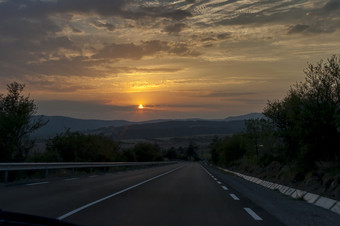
(140,106)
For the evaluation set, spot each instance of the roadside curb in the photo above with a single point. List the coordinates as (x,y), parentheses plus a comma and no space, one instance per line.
(327,203)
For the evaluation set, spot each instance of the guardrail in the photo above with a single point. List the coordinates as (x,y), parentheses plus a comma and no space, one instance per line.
(7,167)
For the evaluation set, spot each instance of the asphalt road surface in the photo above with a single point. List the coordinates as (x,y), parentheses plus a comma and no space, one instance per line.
(179,194)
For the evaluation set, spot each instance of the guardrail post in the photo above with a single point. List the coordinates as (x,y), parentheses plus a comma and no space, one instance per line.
(5,176)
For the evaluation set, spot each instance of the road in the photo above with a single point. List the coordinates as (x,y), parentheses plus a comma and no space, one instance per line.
(179,194)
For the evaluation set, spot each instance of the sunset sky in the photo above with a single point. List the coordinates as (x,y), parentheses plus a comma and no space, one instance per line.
(180,59)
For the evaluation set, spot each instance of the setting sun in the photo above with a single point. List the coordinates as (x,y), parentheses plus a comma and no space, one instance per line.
(140,106)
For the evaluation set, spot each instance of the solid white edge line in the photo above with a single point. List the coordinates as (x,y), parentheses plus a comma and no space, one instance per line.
(32,184)
(234,196)
(114,194)
(253,214)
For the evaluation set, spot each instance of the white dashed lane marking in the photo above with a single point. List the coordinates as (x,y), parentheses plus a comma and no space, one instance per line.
(234,196)
(248,210)
(253,214)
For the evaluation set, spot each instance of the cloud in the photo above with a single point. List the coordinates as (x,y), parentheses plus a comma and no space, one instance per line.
(307,29)
(84,109)
(146,48)
(27,28)
(226,94)
(299,28)
(331,6)
(107,26)
(117,8)
(174,28)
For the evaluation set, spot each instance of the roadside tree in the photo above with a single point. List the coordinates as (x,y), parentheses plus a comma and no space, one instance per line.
(16,123)
(308,117)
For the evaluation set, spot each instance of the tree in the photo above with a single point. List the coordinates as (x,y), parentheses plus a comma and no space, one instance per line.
(308,117)
(191,151)
(227,150)
(79,147)
(146,152)
(16,123)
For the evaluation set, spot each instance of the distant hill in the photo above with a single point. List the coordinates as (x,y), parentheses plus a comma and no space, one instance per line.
(59,124)
(150,129)
(172,129)
(245,117)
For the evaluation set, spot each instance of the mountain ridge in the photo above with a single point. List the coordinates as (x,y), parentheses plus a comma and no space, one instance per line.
(59,124)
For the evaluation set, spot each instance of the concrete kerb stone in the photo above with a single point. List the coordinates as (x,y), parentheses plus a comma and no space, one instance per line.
(266,184)
(290,191)
(252,179)
(324,202)
(310,197)
(278,187)
(298,194)
(258,181)
(273,186)
(269,184)
(283,189)
(336,208)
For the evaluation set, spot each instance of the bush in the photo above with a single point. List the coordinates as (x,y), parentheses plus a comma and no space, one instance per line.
(78,147)
(307,119)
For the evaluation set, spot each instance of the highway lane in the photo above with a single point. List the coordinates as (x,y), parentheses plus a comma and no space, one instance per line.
(52,198)
(180,194)
(187,196)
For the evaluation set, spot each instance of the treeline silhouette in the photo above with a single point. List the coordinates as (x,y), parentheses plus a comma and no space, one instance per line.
(80,147)
(301,131)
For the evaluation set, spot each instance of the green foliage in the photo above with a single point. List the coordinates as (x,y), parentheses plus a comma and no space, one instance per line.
(78,147)
(147,152)
(229,149)
(307,119)
(301,129)
(16,123)
(191,153)
(141,152)
(179,153)
(171,154)
(126,155)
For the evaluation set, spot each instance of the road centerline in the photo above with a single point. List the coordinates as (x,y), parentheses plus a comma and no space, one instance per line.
(114,194)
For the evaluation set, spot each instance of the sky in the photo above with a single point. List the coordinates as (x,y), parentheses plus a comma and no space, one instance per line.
(100,59)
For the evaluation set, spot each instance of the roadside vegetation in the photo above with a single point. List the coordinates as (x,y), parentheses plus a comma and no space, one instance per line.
(16,111)
(80,147)
(17,123)
(298,139)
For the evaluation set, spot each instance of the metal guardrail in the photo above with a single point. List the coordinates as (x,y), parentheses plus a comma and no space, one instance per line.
(6,167)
